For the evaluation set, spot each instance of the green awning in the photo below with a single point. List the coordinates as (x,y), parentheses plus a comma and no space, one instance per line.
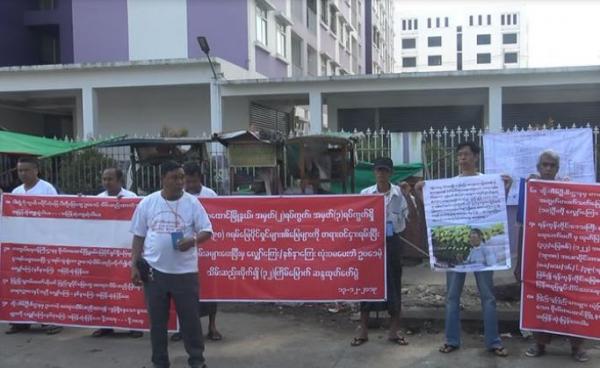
(24,144)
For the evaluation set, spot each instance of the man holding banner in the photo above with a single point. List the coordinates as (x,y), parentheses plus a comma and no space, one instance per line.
(491,198)
(547,167)
(167,226)
(396,214)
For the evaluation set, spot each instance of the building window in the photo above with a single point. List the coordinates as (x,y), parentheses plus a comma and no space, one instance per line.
(281,40)
(484,58)
(416,24)
(502,19)
(348,39)
(470,20)
(508,19)
(434,60)
(459,42)
(332,19)
(404,24)
(459,64)
(446,22)
(489,20)
(409,43)
(435,41)
(480,19)
(437,22)
(514,19)
(459,29)
(511,58)
(428,22)
(323,65)
(409,62)
(324,10)
(261,25)
(509,38)
(483,39)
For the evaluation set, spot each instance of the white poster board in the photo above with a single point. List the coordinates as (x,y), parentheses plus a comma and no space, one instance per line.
(516,154)
(457,207)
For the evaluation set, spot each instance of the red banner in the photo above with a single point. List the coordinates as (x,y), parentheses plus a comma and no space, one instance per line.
(317,248)
(65,260)
(561,259)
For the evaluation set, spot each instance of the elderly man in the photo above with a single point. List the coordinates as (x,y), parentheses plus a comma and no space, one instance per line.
(167,227)
(547,167)
(396,213)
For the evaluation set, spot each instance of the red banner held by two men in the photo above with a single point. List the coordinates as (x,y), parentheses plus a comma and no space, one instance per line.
(65,260)
(561,259)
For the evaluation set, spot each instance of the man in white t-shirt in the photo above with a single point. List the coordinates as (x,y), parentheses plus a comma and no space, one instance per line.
(28,170)
(112,182)
(194,186)
(167,226)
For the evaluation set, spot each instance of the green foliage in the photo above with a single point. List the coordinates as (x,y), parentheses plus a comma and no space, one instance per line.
(451,243)
(81,172)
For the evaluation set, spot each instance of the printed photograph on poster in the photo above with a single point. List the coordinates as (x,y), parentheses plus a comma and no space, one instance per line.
(469,247)
(467,224)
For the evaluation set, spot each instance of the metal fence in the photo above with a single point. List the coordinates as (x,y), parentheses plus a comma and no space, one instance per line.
(439,146)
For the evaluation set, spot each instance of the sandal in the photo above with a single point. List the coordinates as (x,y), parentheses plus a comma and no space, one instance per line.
(398,340)
(358,341)
(53,330)
(214,336)
(535,350)
(176,336)
(500,351)
(446,349)
(16,328)
(580,356)
(103,332)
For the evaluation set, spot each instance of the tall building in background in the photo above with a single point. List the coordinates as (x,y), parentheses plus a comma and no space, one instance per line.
(276,38)
(471,42)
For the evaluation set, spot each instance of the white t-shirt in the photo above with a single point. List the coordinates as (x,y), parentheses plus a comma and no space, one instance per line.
(205,192)
(155,219)
(395,206)
(42,187)
(123,193)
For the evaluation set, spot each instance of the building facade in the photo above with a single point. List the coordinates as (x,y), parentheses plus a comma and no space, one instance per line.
(475,41)
(275,38)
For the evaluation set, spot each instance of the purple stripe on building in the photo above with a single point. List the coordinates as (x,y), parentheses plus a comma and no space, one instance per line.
(100,29)
(368,40)
(269,65)
(224,24)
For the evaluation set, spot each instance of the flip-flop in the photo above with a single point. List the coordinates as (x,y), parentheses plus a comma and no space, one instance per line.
(13,329)
(358,341)
(500,351)
(214,336)
(447,349)
(398,340)
(103,332)
(53,330)
(535,351)
(580,356)
(176,336)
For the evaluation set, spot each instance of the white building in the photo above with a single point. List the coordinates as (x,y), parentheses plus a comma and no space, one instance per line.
(476,41)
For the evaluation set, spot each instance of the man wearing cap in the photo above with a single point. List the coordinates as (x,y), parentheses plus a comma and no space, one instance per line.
(396,214)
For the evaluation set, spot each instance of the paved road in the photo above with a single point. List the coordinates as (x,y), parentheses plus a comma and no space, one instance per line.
(273,340)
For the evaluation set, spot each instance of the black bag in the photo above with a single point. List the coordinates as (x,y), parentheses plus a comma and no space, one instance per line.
(144,269)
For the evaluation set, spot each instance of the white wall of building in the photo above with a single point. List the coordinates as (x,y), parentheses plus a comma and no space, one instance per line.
(449,49)
(145,110)
(157,29)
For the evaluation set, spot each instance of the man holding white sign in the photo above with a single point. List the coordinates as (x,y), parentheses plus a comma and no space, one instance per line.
(462,213)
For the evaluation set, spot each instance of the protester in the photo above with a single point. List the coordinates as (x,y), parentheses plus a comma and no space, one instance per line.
(547,167)
(112,181)
(396,213)
(194,186)
(28,170)
(167,226)
(468,157)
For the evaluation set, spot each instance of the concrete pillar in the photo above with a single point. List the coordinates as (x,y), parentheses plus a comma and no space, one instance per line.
(493,110)
(88,112)
(315,101)
(216,111)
